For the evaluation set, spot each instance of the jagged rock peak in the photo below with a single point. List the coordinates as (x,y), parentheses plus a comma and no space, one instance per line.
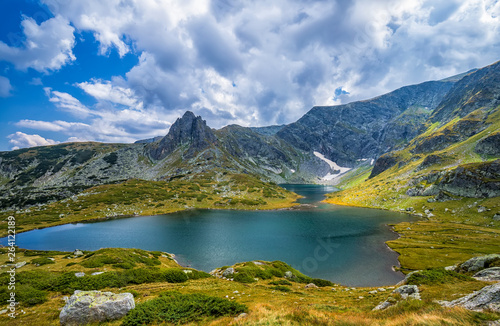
(189,129)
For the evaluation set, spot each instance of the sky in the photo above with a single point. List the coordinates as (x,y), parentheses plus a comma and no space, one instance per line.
(123,70)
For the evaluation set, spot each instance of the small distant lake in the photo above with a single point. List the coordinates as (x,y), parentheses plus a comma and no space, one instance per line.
(342,244)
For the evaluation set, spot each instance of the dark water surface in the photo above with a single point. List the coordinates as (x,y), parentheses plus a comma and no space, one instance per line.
(341,244)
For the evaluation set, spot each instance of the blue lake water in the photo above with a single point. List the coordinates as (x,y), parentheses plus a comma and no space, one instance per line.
(341,244)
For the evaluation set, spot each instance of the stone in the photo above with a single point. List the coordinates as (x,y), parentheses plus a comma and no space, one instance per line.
(381,290)
(373,292)
(80,274)
(451,268)
(228,272)
(496,217)
(311,286)
(405,280)
(3,311)
(97,273)
(242,315)
(382,306)
(20,264)
(491,274)
(481,209)
(488,298)
(478,263)
(288,274)
(77,253)
(95,306)
(408,291)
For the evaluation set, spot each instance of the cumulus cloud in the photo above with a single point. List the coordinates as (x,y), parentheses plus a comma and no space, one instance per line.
(22,140)
(5,87)
(105,90)
(67,103)
(47,46)
(255,62)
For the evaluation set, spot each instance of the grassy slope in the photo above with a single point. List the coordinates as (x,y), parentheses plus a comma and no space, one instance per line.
(456,232)
(140,197)
(331,305)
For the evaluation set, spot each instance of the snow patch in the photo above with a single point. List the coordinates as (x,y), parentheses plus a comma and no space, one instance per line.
(371,163)
(332,164)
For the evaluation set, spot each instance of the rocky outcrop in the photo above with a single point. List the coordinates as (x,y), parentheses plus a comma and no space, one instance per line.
(478,263)
(189,130)
(85,307)
(491,274)
(489,145)
(476,180)
(488,298)
(404,291)
(383,163)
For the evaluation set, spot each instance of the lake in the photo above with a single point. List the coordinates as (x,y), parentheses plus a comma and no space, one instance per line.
(341,244)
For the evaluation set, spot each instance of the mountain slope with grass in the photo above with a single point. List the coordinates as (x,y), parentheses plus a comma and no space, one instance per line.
(449,175)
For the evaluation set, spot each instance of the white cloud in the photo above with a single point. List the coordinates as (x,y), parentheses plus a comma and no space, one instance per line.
(22,140)
(47,46)
(105,90)
(251,62)
(52,126)
(67,102)
(5,87)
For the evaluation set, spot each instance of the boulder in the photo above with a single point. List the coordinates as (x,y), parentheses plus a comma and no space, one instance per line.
(288,274)
(85,307)
(488,298)
(311,286)
(408,291)
(80,274)
(228,272)
(478,263)
(491,274)
(77,253)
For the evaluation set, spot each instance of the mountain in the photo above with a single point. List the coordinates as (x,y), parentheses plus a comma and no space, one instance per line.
(449,174)
(366,129)
(326,144)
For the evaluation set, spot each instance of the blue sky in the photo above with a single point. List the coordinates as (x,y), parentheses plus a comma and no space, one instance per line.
(123,70)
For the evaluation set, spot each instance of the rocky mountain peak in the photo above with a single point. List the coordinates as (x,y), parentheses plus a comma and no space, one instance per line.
(187,130)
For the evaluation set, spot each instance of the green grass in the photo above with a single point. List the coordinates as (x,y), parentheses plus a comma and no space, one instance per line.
(177,308)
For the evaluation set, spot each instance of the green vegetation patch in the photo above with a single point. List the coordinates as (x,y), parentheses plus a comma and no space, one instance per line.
(436,276)
(120,258)
(32,286)
(177,308)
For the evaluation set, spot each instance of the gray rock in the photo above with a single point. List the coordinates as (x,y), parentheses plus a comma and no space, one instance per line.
(451,268)
(408,291)
(3,311)
(80,274)
(491,274)
(96,273)
(405,280)
(496,217)
(488,298)
(95,306)
(20,264)
(77,253)
(481,209)
(288,274)
(311,286)
(373,292)
(478,263)
(382,306)
(228,272)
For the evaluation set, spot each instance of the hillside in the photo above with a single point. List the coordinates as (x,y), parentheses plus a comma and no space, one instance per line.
(449,175)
